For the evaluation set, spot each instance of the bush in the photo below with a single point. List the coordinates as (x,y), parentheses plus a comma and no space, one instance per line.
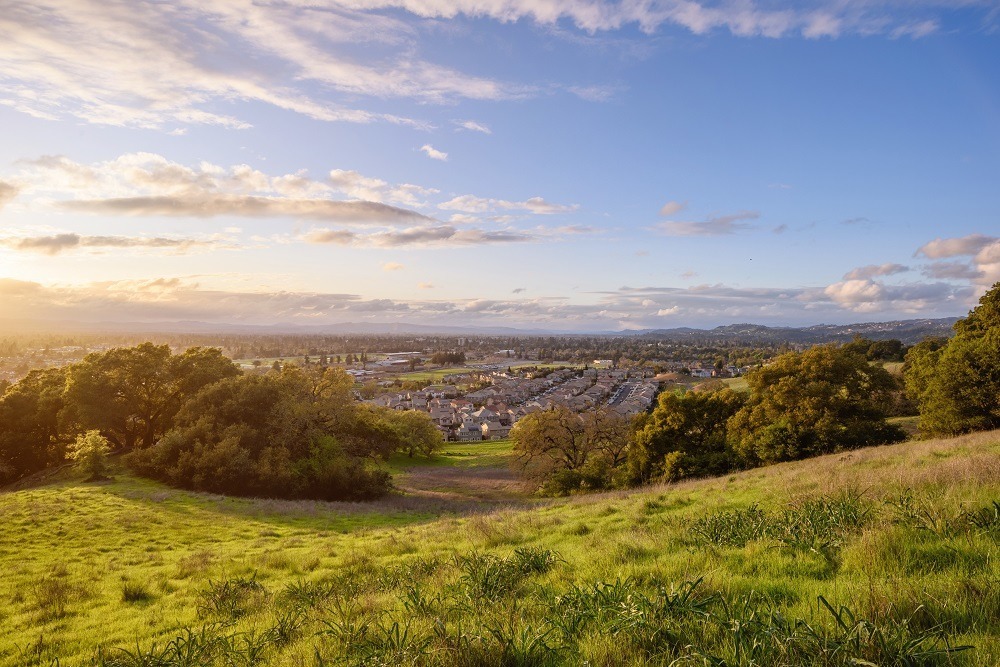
(90,451)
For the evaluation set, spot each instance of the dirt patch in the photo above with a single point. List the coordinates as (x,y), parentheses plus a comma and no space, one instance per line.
(487,484)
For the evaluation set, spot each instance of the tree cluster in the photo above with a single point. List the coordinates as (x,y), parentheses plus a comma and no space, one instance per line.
(822,400)
(195,421)
(448,358)
(956,382)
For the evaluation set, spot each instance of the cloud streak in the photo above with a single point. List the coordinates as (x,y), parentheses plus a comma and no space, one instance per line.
(717,226)
(535,205)
(439,235)
(59,243)
(875,270)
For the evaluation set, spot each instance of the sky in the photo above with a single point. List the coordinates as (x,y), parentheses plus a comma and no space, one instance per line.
(567,165)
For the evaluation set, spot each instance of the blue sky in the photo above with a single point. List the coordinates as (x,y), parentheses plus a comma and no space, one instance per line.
(562,164)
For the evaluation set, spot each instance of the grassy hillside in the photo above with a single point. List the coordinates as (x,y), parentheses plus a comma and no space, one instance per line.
(886,555)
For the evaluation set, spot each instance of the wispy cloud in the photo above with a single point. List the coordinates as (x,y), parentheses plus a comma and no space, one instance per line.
(435,235)
(952,271)
(874,270)
(8,191)
(473,126)
(59,243)
(201,206)
(474,204)
(172,64)
(79,58)
(672,208)
(392,266)
(593,93)
(717,226)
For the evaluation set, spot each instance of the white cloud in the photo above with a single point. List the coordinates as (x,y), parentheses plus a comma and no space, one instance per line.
(955,247)
(425,286)
(473,126)
(153,64)
(745,19)
(433,153)
(146,184)
(985,253)
(358,186)
(474,204)
(168,64)
(392,266)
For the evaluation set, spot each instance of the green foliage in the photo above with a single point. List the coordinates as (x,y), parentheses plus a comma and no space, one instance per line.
(823,400)
(448,358)
(287,435)
(684,436)
(233,598)
(90,451)
(408,431)
(877,350)
(33,433)
(957,384)
(561,451)
(131,394)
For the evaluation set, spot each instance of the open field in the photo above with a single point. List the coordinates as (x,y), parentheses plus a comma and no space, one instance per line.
(434,375)
(753,568)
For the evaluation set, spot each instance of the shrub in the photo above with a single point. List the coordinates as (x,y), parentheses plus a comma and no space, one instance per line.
(90,451)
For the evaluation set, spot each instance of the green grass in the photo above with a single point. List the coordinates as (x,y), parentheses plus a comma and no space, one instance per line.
(489,453)
(435,374)
(885,555)
(737,384)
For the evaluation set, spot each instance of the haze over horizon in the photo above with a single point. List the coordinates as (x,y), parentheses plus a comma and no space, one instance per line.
(571,165)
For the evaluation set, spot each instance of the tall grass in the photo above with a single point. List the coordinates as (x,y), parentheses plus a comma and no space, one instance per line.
(789,565)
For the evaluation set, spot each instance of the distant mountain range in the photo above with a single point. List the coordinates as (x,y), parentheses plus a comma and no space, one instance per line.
(908,331)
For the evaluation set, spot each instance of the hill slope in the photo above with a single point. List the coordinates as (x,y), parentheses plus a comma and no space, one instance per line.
(738,569)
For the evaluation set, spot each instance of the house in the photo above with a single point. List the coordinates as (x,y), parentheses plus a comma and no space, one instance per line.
(494,430)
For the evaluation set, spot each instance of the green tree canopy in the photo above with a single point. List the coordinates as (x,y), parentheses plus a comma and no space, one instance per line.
(562,451)
(33,434)
(293,434)
(131,394)
(825,399)
(685,435)
(956,384)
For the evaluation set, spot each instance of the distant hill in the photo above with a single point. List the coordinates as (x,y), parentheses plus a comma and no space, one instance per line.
(908,331)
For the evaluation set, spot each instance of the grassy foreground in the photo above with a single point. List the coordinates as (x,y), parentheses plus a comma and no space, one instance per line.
(884,556)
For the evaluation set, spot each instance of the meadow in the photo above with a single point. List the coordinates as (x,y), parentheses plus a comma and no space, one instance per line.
(883,556)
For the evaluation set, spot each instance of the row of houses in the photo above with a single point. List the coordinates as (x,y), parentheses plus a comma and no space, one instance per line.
(490,413)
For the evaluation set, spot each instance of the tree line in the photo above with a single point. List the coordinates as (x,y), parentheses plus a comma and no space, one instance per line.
(822,400)
(194,420)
